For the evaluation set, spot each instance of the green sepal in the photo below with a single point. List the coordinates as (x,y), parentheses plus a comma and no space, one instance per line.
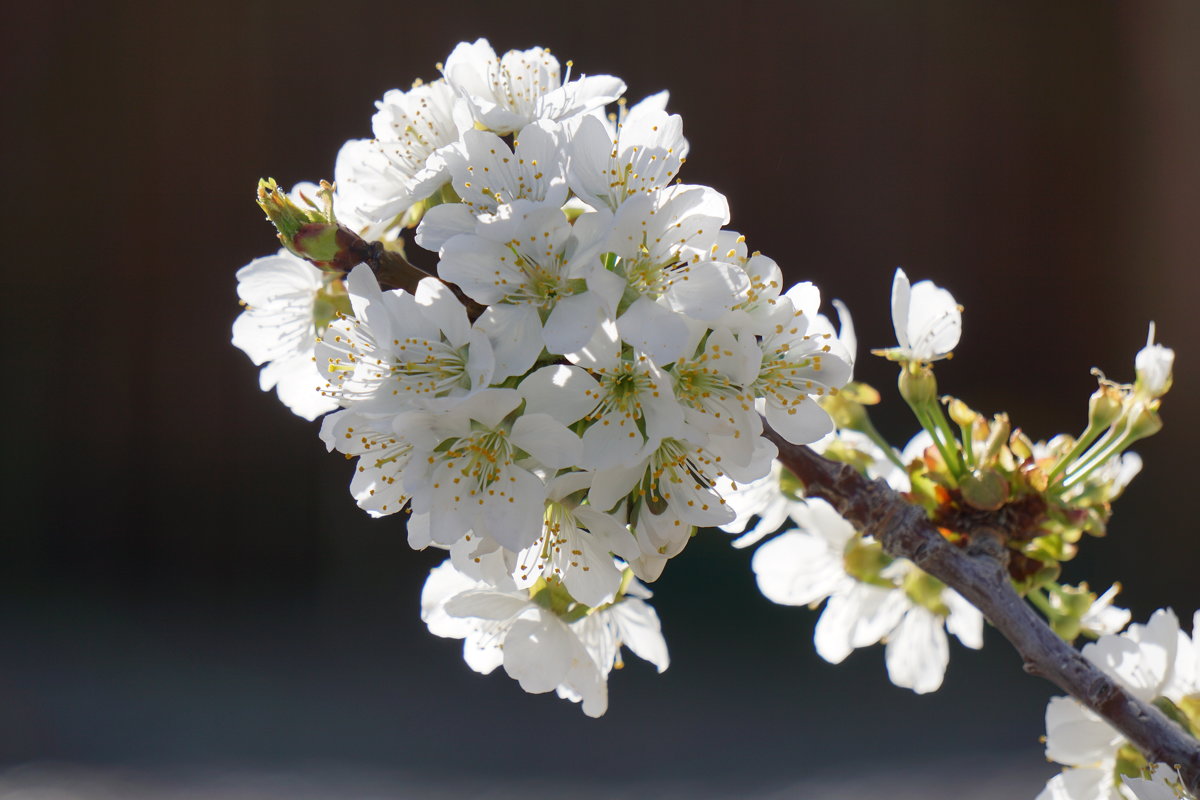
(864,561)
(926,591)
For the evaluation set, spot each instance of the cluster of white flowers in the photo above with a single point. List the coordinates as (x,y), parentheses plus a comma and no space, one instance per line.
(869,597)
(1157,663)
(584,383)
(575,433)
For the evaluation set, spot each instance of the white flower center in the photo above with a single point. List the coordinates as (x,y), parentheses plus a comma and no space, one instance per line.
(621,390)
(544,279)
(705,389)
(480,460)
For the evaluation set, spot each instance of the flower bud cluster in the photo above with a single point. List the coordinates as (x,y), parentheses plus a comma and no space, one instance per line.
(571,430)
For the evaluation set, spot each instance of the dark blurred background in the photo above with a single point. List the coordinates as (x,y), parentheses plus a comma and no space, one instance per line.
(188,587)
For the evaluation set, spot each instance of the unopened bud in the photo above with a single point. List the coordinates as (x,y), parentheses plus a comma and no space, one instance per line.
(997,436)
(1154,364)
(311,233)
(1020,444)
(326,245)
(961,413)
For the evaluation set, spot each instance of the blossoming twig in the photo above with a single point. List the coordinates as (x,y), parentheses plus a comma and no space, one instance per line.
(979,573)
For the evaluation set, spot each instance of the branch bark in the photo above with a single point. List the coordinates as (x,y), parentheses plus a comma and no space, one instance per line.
(978,572)
(394,271)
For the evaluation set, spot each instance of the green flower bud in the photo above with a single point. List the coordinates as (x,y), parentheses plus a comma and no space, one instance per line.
(962,414)
(1021,445)
(312,233)
(997,436)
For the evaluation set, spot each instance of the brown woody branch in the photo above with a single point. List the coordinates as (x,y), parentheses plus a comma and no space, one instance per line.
(394,271)
(978,571)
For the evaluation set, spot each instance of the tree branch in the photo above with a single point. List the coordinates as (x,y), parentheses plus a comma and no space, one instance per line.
(394,271)
(979,573)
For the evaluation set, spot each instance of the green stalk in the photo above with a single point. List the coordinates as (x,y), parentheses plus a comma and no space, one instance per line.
(1089,435)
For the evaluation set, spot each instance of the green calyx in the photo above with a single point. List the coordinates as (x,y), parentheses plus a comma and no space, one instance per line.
(865,562)
(926,591)
(554,597)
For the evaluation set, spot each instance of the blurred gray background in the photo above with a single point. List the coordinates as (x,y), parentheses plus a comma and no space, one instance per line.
(192,606)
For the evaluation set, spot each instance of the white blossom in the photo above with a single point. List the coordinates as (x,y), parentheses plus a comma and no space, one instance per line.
(1151,661)
(382,177)
(543,651)
(477,467)
(1163,783)
(400,350)
(663,242)
(507,93)
(926,318)
(1154,364)
(287,302)
(643,156)
(487,174)
(797,366)
(383,454)
(575,545)
(541,276)
(808,565)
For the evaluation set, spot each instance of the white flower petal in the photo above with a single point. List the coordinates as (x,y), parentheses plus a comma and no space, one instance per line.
(537,653)
(797,568)
(917,652)
(564,392)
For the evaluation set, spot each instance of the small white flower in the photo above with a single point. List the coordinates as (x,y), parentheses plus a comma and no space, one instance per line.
(751,310)
(287,302)
(633,408)
(809,564)
(503,625)
(1151,661)
(677,476)
(477,467)
(506,94)
(644,156)
(712,384)
(1154,363)
(401,351)
(383,454)
(487,173)
(926,318)
(1162,784)
(382,177)
(797,366)
(663,241)
(1103,618)
(575,545)
(541,276)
